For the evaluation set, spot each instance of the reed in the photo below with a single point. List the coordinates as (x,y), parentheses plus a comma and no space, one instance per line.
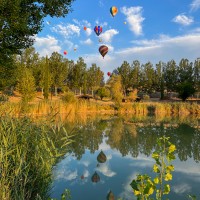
(28,150)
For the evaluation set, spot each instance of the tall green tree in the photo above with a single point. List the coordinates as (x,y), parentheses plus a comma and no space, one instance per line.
(185,71)
(125,72)
(20,20)
(95,76)
(196,75)
(135,74)
(170,73)
(58,70)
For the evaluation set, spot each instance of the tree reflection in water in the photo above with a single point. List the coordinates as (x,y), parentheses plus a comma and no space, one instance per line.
(134,137)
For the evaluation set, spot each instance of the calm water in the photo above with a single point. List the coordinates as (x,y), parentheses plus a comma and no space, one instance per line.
(128,148)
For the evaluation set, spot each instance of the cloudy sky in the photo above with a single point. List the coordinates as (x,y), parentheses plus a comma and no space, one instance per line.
(144,30)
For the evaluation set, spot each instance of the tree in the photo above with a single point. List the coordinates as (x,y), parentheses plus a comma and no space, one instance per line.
(116,89)
(185,71)
(170,73)
(58,70)
(185,90)
(95,76)
(125,72)
(135,74)
(196,75)
(20,20)
(26,84)
(103,92)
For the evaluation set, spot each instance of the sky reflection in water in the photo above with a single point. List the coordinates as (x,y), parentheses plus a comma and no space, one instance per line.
(128,148)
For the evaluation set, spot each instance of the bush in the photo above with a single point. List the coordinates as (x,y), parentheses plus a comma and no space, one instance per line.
(69,97)
(146,97)
(103,92)
(4,97)
(185,90)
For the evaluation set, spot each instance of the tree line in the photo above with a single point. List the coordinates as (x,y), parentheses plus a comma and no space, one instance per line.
(29,71)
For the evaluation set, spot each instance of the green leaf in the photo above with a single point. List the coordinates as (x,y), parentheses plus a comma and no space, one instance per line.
(134,185)
(166,189)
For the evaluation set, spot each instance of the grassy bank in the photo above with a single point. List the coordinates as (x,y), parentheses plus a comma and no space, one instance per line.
(91,107)
(27,153)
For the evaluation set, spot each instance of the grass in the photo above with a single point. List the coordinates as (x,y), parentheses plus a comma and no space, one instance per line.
(28,151)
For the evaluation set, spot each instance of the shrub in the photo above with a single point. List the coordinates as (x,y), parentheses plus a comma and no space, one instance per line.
(146,97)
(4,97)
(69,97)
(103,92)
(185,90)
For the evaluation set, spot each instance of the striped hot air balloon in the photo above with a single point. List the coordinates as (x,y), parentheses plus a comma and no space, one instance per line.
(113,10)
(98,30)
(103,50)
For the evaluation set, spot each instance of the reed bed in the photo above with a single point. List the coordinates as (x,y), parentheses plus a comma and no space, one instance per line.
(28,151)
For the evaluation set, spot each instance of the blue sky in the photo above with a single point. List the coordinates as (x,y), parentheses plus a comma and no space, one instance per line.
(144,30)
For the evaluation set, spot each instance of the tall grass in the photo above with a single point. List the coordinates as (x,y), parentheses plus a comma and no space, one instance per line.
(27,153)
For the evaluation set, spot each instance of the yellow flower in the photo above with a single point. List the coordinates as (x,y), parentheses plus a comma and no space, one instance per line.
(172,148)
(168,177)
(155,168)
(156,180)
(136,192)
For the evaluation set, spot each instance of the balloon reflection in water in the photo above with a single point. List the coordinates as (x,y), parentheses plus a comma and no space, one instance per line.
(101,157)
(110,196)
(95,177)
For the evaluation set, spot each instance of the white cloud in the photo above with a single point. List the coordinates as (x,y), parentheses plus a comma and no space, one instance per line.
(46,45)
(105,170)
(66,31)
(88,31)
(162,48)
(182,188)
(65,174)
(87,42)
(103,24)
(195,5)
(183,20)
(108,35)
(134,18)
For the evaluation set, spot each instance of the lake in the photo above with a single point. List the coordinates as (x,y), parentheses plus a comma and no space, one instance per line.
(128,144)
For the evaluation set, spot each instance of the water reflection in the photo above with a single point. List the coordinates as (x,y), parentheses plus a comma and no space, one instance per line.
(111,152)
(136,138)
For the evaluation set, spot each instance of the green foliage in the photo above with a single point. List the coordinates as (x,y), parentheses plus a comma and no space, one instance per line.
(146,97)
(144,186)
(116,89)
(28,152)
(4,97)
(26,84)
(185,90)
(19,20)
(103,92)
(69,97)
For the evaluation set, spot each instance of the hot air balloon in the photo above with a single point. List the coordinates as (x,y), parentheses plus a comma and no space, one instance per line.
(65,52)
(124,22)
(85,28)
(103,50)
(108,73)
(74,49)
(100,40)
(98,30)
(110,196)
(82,177)
(101,157)
(113,10)
(95,177)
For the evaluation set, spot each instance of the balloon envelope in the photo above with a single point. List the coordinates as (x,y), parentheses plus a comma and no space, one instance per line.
(65,52)
(108,73)
(98,30)
(85,28)
(101,157)
(95,177)
(103,50)
(113,10)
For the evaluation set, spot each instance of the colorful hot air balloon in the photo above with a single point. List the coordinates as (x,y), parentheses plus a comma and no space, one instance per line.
(74,49)
(98,30)
(65,52)
(100,40)
(108,73)
(95,177)
(101,157)
(110,196)
(113,10)
(103,50)
(85,28)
